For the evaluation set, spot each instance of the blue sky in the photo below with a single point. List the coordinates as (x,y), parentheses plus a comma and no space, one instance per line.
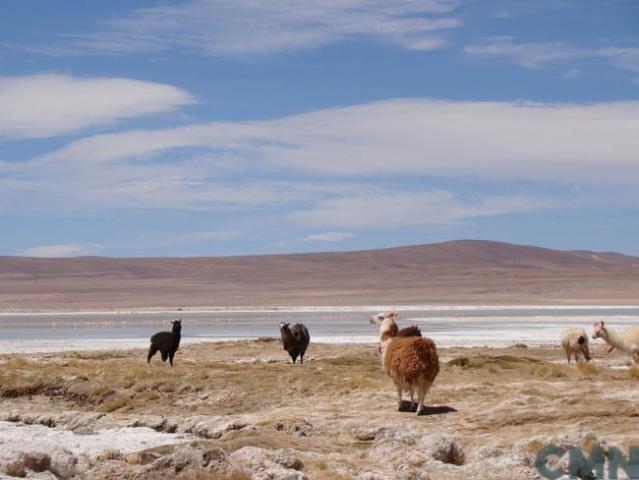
(224,127)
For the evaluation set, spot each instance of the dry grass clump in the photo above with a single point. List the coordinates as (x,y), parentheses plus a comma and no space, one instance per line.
(487,361)
(588,369)
(634,372)
(48,386)
(550,371)
(115,404)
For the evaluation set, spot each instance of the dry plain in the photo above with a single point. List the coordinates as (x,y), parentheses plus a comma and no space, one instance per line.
(252,414)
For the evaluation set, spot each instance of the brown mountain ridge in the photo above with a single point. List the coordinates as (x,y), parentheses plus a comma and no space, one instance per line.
(453,273)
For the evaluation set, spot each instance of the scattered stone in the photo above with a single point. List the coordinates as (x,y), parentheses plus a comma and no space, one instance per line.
(299,429)
(443,447)
(366,434)
(264,464)
(142,458)
(63,463)
(192,456)
(287,459)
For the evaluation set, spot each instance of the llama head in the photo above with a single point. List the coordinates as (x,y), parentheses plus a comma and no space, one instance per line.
(284,326)
(388,329)
(379,318)
(599,330)
(177,325)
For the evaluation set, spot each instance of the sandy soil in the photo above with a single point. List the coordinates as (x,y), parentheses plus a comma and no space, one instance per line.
(334,417)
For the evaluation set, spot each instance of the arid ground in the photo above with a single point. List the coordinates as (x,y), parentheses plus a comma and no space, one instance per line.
(252,414)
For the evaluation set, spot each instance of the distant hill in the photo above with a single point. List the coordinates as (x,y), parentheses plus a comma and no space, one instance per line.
(457,272)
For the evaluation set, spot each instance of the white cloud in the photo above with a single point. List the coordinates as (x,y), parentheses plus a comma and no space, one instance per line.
(324,237)
(431,137)
(392,209)
(344,152)
(328,237)
(245,27)
(48,105)
(62,250)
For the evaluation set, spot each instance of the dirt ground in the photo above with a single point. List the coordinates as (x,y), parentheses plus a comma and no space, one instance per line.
(490,410)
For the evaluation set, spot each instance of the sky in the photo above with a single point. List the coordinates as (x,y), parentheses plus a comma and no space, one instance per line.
(232,127)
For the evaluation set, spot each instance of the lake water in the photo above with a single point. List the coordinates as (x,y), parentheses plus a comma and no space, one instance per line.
(448,326)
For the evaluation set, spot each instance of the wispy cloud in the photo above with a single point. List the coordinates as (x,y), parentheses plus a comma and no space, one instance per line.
(246,27)
(625,58)
(49,105)
(328,237)
(392,209)
(62,250)
(539,55)
(529,55)
(324,237)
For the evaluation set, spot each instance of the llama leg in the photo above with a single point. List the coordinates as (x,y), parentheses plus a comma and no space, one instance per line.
(171,354)
(152,351)
(412,397)
(165,355)
(399,398)
(422,390)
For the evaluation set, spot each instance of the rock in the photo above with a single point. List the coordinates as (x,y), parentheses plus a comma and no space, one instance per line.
(370,476)
(13,467)
(406,473)
(193,456)
(114,470)
(269,464)
(63,463)
(299,429)
(18,464)
(142,458)
(37,461)
(443,447)
(279,474)
(365,434)
(110,454)
(287,459)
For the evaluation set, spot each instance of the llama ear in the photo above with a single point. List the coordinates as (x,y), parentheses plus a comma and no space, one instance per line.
(603,324)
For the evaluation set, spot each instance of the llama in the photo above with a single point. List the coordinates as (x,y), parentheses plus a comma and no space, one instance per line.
(166,343)
(412,331)
(411,362)
(575,343)
(295,340)
(627,342)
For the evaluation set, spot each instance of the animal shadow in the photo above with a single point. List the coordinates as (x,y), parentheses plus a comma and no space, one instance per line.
(407,406)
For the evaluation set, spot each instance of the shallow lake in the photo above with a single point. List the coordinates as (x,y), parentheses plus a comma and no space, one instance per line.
(448,326)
